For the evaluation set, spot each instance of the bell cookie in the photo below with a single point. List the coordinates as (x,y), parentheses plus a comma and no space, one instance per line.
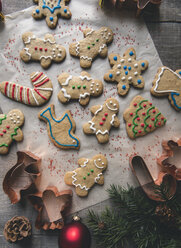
(44,50)
(51,9)
(61,130)
(142,118)
(126,71)
(104,118)
(94,43)
(89,173)
(168,82)
(40,94)
(79,87)
(10,129)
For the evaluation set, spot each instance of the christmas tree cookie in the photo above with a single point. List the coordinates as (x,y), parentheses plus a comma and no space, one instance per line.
(10,129)
(89,173)
(126,71)
(142,117)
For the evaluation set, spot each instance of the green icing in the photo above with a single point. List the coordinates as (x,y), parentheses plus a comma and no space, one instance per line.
(1,119)
(156,119)
(148,115)
(3,145)
(15,132)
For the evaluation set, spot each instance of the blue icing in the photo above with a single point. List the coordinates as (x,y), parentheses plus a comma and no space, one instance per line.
(139,81)
(51,18)
(129,68)
(143,64)
(110,75)
(126,72)
(173,98)
(65,10)
(124,87)
(51,9)
(131,53)
(125,67)
(115,58)
(180,72)
(37,11)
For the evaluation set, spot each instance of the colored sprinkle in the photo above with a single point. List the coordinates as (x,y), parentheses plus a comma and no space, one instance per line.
(124,87)
(180,72)
(88,174)
(135,104)
(159,123)
(129,68)
(138,119)
(143,64)
(126,72)
(84,178)
(9,126)
(131,114)
(40,48)
(150,104)
(143,113)
(46,49)
(106,114)
(97,40)
(36,48)
(115,58)
(73,87)
(84,86)
(103,118)
(4,131)
(154,111)
(152,119)
(92,170)
(131,53)
(144,105)
(51,18)
(88,47)
(150,126)
(110,75)
(93,44)
(1,134)
(139,131)
(125,67)
(142,124)
(101,123)
(129,124)
(65,10)
(139,81)
(37,11)
(79,86)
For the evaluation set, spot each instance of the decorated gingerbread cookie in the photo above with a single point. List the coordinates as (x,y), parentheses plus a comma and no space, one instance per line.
(93,44)
(40,94)
(10,129)
(168,82)
(104,118)
(126,71)
(44,50)
(89,173)
(78,87)
(61,130)
(51,9)
(142,118)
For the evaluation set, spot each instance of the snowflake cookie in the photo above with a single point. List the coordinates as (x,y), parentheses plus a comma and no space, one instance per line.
(142,117)
(44,50)
(10,129)
(89,173)
(79,87)
(94,43)
(126,71)
(51,9)
(104,118)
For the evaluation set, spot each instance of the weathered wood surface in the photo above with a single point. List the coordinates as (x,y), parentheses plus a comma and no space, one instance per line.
(165,28)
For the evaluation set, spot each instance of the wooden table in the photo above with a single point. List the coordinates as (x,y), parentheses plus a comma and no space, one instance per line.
(164,26)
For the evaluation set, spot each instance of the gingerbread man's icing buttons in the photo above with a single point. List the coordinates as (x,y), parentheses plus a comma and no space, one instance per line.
(93,44)
(104,118)
(126,71)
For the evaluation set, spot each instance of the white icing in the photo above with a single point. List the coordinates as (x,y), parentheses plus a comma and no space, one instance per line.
(101,132)
(40,80)
(46,89)
(85,164)
(99,167)
(77,185)
(98,110)
(86,58)
(34,75)
(27,52)
(46,57)
(84,95)
(29,39)
(48,40)
(8,89)
(17,92)
(77,48)
(67,80)
(18,117)
(92,126)
(14,122)
(101,48)
(25,89)
(113,109)
(90,32)
(86,77)
(98,177)
(113,118)
(65,93)
(32,92)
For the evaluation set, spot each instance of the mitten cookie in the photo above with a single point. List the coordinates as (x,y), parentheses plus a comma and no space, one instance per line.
(90,173)
(51,9)
(10,129)
(79,87)
(40,94)
(126,71)
(44,50)
(94,43)
(142,117)
(168,82)
(105,117)
(60,131)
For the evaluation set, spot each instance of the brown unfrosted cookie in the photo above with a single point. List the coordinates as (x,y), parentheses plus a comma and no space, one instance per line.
(10,129)
(89,173)
(142,117)
(44,50)
(168,83)
(104,118)
(126,71)
(79,87)
(51,9)
(93,44)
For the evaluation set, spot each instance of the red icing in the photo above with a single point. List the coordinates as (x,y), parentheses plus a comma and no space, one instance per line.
(36,48)
(28,97)
(4,131)
(34,80)
(7,127)
(1,134)
(21,89)
(5,89)
(139,131)
(152,119)
(142,124)
(14,85)
(129,124)
(144,105)
(143,113)
(101,123)
(46,49)
(40,48)
(135,104)
(131,114)
(138,119)
(40,94)
(103,118)
(46,80)
(106,114)
(150,126)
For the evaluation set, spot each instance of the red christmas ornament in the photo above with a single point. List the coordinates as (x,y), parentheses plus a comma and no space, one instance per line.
(75,235)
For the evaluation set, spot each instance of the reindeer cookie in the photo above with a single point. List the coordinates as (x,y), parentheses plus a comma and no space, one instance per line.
(126,71)
(51,9)
(89,173)
(168,82)
(37,96)
(105,117)
(94,44)
(78,87)
(44,50)
(10,129)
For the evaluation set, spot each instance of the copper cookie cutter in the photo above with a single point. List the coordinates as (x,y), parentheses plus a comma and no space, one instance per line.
(147,182)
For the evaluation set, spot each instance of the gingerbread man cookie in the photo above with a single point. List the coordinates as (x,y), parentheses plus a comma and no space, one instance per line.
(44,50)
(126,71)
(10,129)
(142,118)
(61,130)
(94,43)
(79,87)
(168,82)
(51,9)
(37,96)
(105,117)
(89,173)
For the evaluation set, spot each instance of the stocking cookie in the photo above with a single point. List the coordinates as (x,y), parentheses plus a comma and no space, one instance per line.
(10,129)
(51,9)
(78,87)
(61,130)
(126,71)
(44,50)
(104,118)
(168,82)
(142,117)
(89,173)
(93,44)
(40,94)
